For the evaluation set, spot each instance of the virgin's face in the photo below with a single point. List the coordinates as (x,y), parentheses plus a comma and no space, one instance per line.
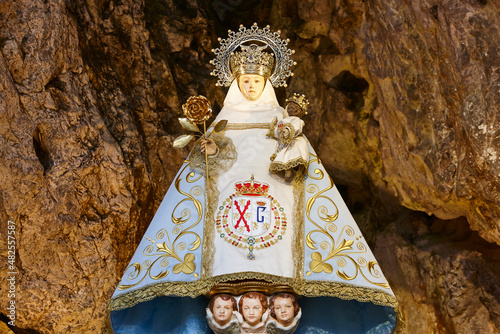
(252,311)
(251,85)
(284,310)
(223,309)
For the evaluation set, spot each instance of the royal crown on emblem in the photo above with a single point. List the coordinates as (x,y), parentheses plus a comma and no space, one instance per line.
(251,188)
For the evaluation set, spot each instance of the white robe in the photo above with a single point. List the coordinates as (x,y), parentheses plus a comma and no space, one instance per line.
(254,150)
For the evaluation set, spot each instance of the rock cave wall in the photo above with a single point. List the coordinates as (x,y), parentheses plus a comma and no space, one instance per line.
(405,116)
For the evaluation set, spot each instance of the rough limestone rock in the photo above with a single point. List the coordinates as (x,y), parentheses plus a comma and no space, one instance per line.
(405,115)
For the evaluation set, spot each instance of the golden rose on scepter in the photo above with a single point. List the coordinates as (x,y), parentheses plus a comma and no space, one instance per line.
(197,110)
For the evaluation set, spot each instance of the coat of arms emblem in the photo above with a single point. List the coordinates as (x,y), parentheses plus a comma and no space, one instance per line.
(251,218)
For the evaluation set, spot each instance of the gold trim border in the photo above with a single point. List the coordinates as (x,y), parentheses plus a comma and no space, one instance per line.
(306,288)
(298,249)
(246,126)
(239,288)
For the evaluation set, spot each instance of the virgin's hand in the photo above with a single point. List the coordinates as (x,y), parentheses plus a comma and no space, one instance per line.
(209,145)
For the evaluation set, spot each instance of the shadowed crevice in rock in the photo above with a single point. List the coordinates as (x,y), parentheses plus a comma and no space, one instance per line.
(353,88)
(347,82)
(41,150)
(446,269)
(434,11)
(15,329)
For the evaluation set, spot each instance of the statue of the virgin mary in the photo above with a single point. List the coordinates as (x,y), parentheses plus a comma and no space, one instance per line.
(228,225)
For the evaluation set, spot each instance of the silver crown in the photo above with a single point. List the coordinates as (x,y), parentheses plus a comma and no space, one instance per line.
(222,61)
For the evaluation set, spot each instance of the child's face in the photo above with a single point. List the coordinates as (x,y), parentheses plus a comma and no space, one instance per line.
(293,109)
(284,310)
(252,311)
(223,309)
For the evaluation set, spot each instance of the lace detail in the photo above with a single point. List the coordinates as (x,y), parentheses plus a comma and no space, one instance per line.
(281,166)
(212,198)
(298,218)
(300,286)
(217,163)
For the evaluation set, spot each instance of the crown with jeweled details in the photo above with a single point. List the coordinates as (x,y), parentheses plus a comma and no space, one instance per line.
(252,60)
(300,100)
(224,61)
(251,188)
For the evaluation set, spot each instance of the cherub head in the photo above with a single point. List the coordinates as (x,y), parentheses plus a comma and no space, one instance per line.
(284,307)
(251,85)
(222,307)
(252,306)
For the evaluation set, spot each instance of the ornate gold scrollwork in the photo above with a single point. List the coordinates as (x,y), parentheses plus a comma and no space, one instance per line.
(169,248)
(342,248)
(313,158)
(192,174)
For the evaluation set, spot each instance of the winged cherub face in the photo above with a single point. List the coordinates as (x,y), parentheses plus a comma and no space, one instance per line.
(284,310)
(252,311)
(223,309)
